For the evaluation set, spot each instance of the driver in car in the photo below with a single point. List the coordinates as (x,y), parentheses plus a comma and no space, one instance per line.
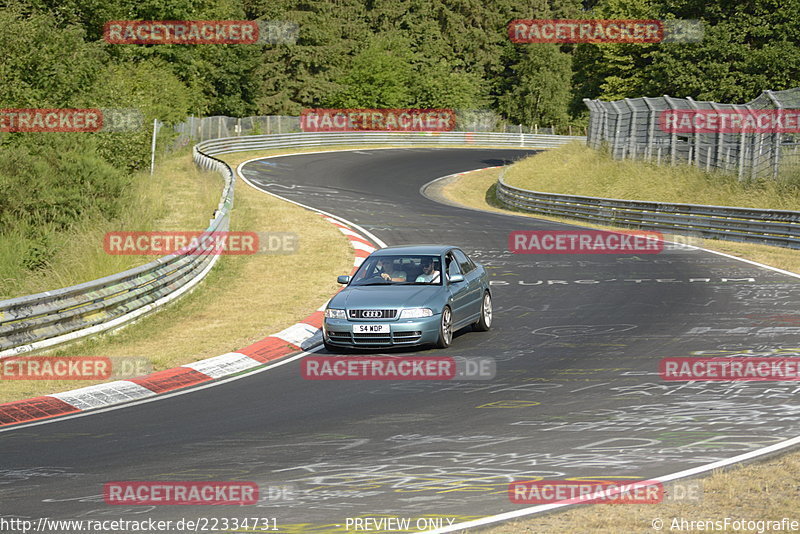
(388,272)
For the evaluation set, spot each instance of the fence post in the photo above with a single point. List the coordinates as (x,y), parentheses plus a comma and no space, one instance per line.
(742,136)
(156,127)
(777,138)
(651,125)
(632,130)
(673,141)
(616,131)
(693,104)
(720,141)
(592,122)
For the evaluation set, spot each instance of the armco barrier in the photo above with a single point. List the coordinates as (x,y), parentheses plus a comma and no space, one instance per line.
(229,145)
(46,319)
(772,227)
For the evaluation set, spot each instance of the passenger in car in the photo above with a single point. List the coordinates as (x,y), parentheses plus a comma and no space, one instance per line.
(392,272)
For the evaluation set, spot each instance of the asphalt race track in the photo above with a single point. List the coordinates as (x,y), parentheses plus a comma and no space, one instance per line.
(577,340)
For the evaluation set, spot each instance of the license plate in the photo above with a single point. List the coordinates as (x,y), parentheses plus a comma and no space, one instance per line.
(371,328)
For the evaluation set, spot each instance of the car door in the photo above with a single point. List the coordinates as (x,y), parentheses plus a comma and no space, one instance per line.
(459,291)
(472,277)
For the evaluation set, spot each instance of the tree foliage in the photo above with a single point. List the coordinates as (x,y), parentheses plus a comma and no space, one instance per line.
(349,53)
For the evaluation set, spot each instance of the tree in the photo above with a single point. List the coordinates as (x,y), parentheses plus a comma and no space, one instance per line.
(539,90)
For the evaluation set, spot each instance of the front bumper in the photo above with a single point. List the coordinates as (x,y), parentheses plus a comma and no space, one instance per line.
(403,332)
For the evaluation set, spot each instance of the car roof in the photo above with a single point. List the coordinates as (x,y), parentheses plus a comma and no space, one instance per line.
(414,249)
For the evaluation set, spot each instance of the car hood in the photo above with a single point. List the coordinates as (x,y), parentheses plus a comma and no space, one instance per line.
(388,297)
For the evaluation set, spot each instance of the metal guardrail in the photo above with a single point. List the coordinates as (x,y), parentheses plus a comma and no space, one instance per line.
(46,319)
(772,227)
(299,140)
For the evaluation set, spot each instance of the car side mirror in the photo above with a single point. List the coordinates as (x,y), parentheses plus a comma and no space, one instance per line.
(456,278)
(344,279)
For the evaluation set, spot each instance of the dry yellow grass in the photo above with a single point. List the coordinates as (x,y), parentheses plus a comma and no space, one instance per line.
(764,491)
(476,190)
(243,299)
(575,169)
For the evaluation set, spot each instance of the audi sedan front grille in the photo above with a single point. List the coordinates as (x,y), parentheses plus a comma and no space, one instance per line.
(373,339)
(371,314)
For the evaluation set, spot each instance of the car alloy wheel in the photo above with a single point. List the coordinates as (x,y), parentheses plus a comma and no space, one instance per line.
(445,329)
(485,322)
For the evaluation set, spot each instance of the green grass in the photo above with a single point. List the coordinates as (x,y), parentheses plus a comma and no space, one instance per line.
(177,197)
(243,299)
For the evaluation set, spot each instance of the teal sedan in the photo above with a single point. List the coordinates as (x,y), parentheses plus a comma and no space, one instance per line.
(408,295)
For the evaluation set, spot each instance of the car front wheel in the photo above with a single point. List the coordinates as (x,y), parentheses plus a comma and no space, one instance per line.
(485,322)
(445,329)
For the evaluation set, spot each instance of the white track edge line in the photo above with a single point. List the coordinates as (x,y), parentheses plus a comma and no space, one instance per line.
(666,478)
(215,381)
(158,397)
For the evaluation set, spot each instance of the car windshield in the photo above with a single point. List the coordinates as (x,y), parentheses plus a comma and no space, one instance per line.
(399,270)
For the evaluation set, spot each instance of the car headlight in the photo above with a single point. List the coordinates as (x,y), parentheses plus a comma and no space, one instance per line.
(333,313)
(416,313)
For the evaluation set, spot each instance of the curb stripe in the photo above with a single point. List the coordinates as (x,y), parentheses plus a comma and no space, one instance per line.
(33,410)
(297,337)
(101,395)
(171,379)
(224,365)
(268,349)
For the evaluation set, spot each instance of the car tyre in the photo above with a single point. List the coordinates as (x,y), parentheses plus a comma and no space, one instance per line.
(485,322)
(445,329)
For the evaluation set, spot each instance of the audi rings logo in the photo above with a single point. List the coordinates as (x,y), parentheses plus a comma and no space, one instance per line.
(371,314)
